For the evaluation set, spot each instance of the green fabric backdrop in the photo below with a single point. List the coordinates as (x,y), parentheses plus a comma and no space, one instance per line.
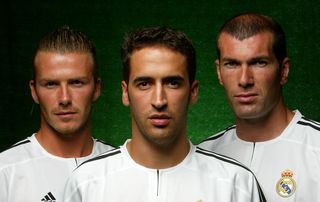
(106,22)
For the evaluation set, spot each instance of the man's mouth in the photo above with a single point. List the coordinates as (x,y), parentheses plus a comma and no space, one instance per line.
(160,120)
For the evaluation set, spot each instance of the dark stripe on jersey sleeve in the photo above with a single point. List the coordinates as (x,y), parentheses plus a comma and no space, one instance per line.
(316,127)
(219,134)
(234,162)
(102,156)
(310,120)
(17,144)
(103,142)
(20,143)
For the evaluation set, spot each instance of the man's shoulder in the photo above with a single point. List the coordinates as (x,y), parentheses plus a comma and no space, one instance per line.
(18,152)
(100,146)
(309,124)
(219,163)
(305,132)
(218,138)
(101,161)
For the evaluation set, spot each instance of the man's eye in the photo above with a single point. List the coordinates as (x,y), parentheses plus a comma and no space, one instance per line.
(260,63)
(143,85)
(50,84)
(173,84)
(230,64)
(77,83)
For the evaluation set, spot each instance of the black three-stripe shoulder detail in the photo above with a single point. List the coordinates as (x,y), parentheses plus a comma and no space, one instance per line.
(307,122)
(234,162)
(20,143)
(102,156)
(310,120)
(221,157)
(103,142)
(17,144)
(219,134)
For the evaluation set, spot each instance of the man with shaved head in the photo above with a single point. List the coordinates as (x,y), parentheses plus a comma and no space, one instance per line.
(279,145)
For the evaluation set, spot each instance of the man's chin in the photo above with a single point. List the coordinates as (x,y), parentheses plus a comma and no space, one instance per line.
(68,133)
(162,140)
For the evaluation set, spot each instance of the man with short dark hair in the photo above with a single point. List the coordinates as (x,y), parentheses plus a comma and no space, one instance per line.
(159,163)
(65,85)
(280,146)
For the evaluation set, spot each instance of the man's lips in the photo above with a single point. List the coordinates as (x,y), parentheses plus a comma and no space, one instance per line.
(65,114)
(159,120)
(246,97)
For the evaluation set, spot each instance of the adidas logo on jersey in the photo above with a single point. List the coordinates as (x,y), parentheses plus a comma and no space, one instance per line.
(49,198)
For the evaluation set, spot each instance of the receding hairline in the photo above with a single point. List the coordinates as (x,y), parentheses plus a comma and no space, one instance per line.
(85,53)
(64,53)
(242,39)
(248,24)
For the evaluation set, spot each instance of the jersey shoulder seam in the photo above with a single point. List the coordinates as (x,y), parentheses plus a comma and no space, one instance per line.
(220,134)
(105,155)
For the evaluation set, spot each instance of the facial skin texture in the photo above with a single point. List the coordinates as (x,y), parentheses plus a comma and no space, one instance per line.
(158,94)
(251,76)
(64,88)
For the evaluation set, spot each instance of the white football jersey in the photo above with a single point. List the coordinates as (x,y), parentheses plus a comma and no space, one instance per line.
(202,176)
(28,173)
(287,167)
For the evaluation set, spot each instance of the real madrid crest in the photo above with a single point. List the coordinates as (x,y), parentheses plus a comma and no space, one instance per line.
(286,186)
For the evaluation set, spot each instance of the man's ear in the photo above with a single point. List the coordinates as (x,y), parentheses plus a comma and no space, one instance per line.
(285,67)
(217,62)
(97,89)
(194,92)
(34,95)
(125,96)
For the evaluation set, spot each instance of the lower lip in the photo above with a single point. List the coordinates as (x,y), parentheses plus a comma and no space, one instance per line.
(160,122)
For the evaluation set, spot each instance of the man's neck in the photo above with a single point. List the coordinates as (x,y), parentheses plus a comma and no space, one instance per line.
(265,128)
(158,156)
(75,146)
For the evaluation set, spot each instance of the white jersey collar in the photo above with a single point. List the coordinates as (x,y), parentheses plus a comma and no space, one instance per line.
(185,161)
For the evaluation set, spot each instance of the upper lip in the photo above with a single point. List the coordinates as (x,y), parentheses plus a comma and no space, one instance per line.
(159,116)
(64,112)
(246,94)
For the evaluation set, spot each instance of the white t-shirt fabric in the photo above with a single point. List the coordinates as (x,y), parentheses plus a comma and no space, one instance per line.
(202,176)
(28,173)
(287,167)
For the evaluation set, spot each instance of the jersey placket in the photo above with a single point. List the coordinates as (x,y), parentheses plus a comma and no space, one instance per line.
(255,158)
(156,181)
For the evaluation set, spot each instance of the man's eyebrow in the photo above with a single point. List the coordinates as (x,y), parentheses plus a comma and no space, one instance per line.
(173,78)
(142,78)
(260,58)
(79,78)
(228,59)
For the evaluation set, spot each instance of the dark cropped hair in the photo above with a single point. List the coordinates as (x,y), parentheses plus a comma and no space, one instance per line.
(158,36)
(246,25)
(66,40)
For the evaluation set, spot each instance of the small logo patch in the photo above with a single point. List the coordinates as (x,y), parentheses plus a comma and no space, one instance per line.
(286,186)
(49,198)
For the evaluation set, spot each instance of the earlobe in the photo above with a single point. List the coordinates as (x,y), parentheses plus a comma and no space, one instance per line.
(33,91)
(125,96)
(285,71)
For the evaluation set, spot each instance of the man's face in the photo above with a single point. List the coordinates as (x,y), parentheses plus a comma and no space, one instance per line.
(158,94)
(64,87)
(251,75)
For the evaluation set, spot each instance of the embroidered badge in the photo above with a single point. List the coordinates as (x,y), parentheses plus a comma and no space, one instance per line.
(286,186)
